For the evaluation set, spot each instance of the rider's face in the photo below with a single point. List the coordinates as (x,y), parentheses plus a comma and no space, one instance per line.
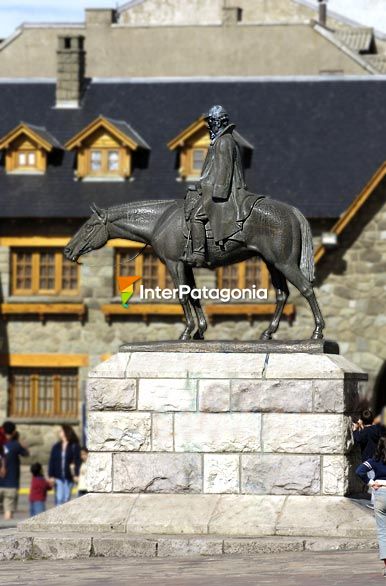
(216,123)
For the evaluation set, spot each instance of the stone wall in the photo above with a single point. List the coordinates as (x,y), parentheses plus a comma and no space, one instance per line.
(214,423)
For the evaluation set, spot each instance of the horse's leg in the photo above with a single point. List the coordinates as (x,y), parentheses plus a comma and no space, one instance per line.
(294,275)
(201,320)
(179,276)
(280,284)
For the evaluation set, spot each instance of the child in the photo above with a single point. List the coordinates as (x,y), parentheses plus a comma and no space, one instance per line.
(82,481)
(38,490)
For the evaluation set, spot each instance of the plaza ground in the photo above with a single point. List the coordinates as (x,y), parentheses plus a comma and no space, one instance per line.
(290,569)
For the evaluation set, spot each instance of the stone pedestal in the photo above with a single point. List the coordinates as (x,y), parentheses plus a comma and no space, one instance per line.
(235,442)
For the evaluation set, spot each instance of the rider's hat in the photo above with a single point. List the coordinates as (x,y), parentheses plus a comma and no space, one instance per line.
(216,112)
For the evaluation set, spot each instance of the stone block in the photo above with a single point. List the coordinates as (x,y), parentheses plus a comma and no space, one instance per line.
(61,548)
(246,515)
(157,473)
(14,547)
(262,545)
(217,432)
(335,471)
(178,547)
(290,396)
(172,513)
(324,516)
(196,365)
(333,396)
(167,394)
(221,473)
(214,395)
(92,512)
(309,366)
(162,439)
(119,431)
(114,367)
(99,472)
(280,474)
(306,433)
(124,547)
(331,544)
(111,394)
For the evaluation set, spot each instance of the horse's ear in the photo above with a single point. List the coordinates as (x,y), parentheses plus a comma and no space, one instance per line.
(98,211)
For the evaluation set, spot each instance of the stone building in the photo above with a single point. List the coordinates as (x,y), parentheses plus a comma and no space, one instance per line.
(317,144)
(242,40)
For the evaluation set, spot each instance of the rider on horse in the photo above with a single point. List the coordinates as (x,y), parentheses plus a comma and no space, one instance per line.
(220,197)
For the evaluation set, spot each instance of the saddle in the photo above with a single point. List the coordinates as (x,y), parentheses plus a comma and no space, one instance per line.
(193,200)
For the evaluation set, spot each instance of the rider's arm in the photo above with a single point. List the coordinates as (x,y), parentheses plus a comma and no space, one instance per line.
(224,168)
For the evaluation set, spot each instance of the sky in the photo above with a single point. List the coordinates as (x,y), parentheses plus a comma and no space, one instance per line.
(14,12)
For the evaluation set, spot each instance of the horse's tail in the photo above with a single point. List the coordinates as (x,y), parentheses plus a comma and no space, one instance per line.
(307,263)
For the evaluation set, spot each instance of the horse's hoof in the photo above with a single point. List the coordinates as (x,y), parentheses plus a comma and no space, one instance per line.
(265,337)
(317,336)
(198,335)
(184,337)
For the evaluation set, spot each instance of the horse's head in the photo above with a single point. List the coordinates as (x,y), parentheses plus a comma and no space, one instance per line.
(91,236)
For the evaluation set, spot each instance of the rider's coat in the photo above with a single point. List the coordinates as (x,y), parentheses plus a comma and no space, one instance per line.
(225,198)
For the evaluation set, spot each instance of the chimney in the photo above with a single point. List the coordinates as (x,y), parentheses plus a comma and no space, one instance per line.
(231,15)
(323,12)
(70,71)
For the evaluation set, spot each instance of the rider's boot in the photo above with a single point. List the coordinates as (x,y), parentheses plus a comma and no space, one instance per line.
(197,257)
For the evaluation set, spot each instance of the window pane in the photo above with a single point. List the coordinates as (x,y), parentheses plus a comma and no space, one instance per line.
(22,158)
(47,271)
(113,161)
(198,159)
(31,159)
(253,272)
(23,268)
(96,160)
(150,270)
(69,275)
(230,277)
(43,392)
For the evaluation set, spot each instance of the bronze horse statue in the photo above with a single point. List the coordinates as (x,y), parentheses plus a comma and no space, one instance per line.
(274,231)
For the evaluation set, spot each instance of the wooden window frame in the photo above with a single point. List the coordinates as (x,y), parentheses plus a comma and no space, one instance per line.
(27,153)
(138,266)
(33,375)
(105,171)
(241,277)
(35,277)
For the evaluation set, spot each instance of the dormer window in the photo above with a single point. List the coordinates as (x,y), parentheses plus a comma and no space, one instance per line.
(27,159)
(28,148)
(104,150)
(192,145)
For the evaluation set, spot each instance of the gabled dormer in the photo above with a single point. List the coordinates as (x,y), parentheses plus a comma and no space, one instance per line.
(104,150)
(27,148)
(191,146)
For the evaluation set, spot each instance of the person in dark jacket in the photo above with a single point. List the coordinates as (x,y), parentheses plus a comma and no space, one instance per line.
(377,465)
(10,482)
(64,464)
(366,434)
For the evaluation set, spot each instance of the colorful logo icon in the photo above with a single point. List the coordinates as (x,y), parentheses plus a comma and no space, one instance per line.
(126,287)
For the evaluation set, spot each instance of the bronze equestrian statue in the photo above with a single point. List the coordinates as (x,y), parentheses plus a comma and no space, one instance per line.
(219,223)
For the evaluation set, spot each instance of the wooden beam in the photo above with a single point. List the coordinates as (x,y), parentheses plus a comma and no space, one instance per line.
(20,308)
(44,360)
(31,241)
(123,243)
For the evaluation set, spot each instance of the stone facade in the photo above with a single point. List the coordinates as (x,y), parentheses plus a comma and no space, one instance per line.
(166,445)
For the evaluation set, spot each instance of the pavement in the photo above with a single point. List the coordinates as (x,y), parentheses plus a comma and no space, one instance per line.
(289,569)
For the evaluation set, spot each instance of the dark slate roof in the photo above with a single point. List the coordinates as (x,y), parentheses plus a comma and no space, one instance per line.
(129,131)
(316,143)
(44,134)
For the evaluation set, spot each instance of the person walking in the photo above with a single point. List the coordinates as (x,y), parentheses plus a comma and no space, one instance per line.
(64,464)
(377,464)
(10,483)
(38,490)
(82,480)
